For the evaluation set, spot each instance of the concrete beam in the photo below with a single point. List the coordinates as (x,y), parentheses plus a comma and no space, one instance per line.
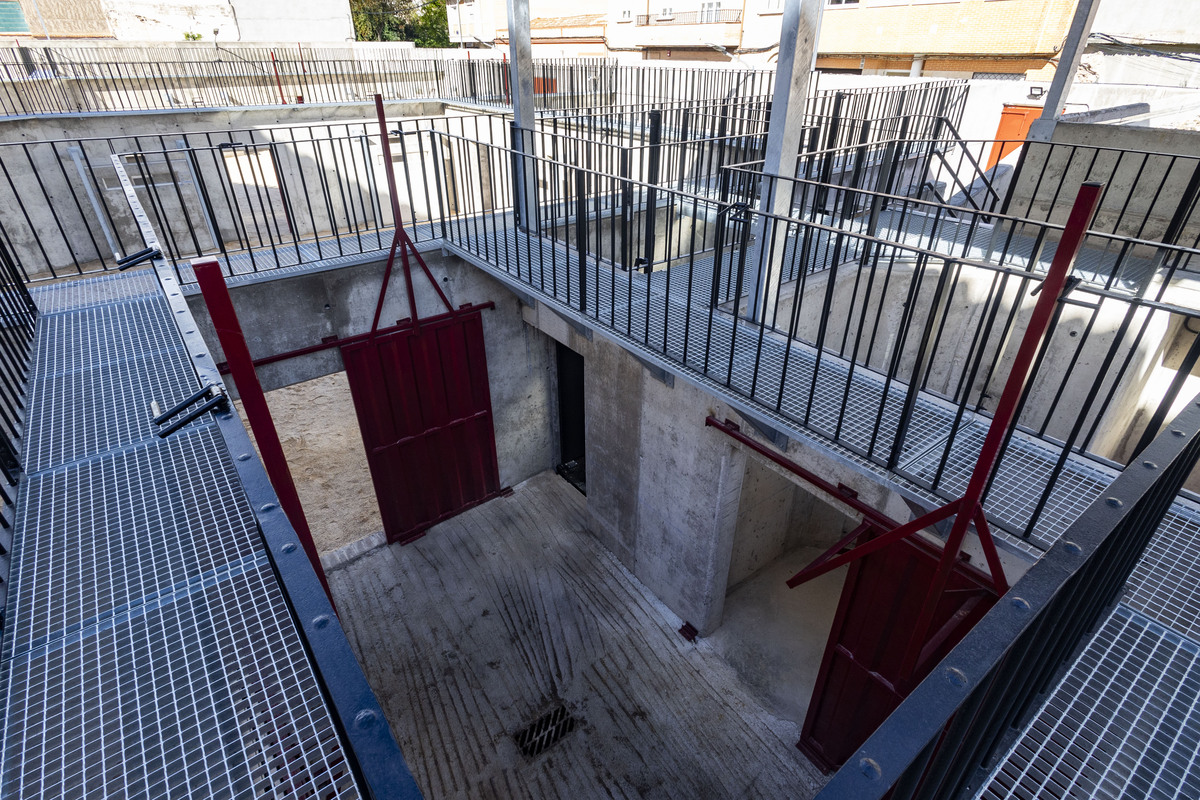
(1068,66)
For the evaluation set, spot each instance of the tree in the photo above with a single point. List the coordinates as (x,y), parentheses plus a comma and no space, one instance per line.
(380,20)
(401,21)
(431,29)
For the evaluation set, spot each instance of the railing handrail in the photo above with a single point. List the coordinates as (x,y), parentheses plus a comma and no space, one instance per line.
(706,17)
(994,215)
(724,207)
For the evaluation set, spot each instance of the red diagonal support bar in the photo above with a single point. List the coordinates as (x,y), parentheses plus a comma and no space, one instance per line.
(254,401)
(400,238)
(971,505)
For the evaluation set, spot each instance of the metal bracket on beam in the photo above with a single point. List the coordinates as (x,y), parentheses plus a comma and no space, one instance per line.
(215,400)
(580,328)
(768,432)
(658,373)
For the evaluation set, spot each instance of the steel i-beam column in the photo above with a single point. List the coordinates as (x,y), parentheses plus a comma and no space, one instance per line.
(1064,75)
(800,27)
(520,71)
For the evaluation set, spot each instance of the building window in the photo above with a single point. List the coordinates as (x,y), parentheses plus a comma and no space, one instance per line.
(626,14)
(667,11)
(710,12)
(841,2)
(773,5)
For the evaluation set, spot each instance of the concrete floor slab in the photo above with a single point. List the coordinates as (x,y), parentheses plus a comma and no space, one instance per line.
(504,612)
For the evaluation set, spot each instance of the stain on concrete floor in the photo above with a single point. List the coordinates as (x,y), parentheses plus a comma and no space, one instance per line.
(503,613)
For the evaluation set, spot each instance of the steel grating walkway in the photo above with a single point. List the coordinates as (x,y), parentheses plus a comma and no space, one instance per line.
(149,650)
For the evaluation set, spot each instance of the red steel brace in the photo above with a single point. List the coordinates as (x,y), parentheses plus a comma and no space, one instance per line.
(254,401)
(400,239)
(968,509)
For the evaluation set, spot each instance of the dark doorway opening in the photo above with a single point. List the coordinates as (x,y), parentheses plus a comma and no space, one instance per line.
(571,440)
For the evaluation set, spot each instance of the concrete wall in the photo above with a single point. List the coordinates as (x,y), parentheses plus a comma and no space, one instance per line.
(776,515)
(293,20)
(1133,204)
(286,314)
(687,509)
(162,20)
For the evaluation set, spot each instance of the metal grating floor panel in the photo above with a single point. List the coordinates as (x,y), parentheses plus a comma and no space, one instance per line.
(1124,722)
(78,294)
(74,415)
(150,651)
(162,701)
(105,334)
(101,534)
(1165,584)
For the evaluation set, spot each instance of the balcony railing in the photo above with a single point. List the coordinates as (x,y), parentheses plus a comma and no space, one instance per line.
(692,17)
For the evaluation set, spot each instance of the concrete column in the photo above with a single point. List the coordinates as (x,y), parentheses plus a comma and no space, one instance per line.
(1068,65)
(799,29)
(520,70)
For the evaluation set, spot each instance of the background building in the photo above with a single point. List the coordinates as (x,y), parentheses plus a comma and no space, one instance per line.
(170,20)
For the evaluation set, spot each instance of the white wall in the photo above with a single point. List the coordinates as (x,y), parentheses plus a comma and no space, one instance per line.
(294,20)
(1149,20)
(236,20)
(167,21)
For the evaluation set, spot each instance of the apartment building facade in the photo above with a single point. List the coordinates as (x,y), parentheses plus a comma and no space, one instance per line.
(1016,39)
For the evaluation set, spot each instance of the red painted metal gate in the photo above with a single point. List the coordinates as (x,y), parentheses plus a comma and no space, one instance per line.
(425,411)
(863,676)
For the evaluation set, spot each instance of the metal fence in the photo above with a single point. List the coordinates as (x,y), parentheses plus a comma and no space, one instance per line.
(1126,332)
(946,734)
(718,15)
(841,113)
(62,211)
(18,320)
(886,330)
(48,81)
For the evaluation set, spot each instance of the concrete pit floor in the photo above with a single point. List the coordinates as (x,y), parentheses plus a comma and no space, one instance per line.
(504,613)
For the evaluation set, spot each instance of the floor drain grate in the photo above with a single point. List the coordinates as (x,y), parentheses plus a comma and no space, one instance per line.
(545,732)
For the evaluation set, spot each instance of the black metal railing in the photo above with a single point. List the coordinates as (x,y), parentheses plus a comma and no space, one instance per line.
(62,211)
(712,16)
(841,112)
(1125,337)
(89,80)
(885,330)
(18,321)
(946,735)
(272,198)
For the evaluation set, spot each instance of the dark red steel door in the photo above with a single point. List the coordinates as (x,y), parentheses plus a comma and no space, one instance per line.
(861,679)
(425,412)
